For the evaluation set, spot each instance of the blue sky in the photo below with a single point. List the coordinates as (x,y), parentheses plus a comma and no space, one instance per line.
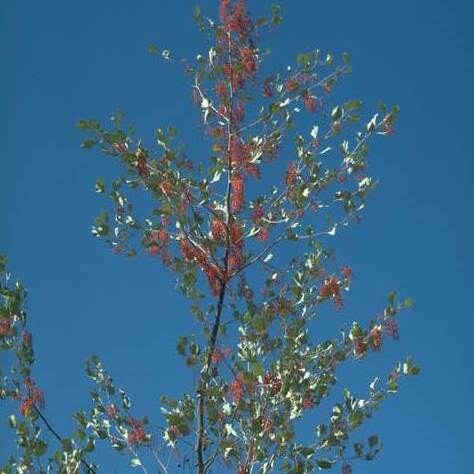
(62,61)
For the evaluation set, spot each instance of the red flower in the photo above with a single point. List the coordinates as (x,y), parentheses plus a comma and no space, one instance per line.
(5,327)
(236,233)
(291,174)
(120,147)
(257,213)
(221,89)
(111,411)
(291,85)
(310,103)
(27,338)
(359,347)
(237,388)
(331,289)
(376,339)
(390,327)
(154,249)
(347,272)
(137,434)
(263,234)
(187,249)
(341,177)
(307,404)
(273,382)
(237,183)
(248,59)
(346,469)
(218,229)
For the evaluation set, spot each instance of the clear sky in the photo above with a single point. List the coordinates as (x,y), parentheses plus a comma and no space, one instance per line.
(62,61)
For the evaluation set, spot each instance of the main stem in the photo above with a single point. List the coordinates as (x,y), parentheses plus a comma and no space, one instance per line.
(201,391)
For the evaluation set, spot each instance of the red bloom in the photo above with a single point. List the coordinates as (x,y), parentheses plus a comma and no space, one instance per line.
(221,89)
(291,85)
(27,338)
(111,411)
(166,187)
(218,229)
(154,249)
(359,347)
(237,388)
(390,327)
(236,233)
(213,274)
(291,174)
(238,192)
(273,382)
(327,87)
(341,177)
(263,234)
(257,213)
(187,249)
(307,404)
(331,289)
(5,327)
(267,89)
(346,469)
(310,103)
(120,147)
(137,434)
(376,339)
(347,272)
(249,61)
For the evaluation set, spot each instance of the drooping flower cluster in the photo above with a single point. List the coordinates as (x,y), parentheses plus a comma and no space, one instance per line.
(136,434)
(33,397)
(331,289)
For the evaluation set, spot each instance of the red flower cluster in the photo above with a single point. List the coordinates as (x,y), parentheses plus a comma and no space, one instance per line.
(331,289)
(220,354)
(390,327)
(272,382)
(347,469)
(376,339)
(291,85)
(137,434)
(237,388)
(27,339)
(194,253)
(141,163)
(359,347)
(120,147)
(347,272)
(218,229)
(158,240)
(257,213)
(238,199)
(307,403)
(34,396)
(249,60)
(291,174)
(5,327)
(310,103)
(111,411)
(263,234)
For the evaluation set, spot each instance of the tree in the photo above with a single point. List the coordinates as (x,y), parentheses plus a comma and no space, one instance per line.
(255,266)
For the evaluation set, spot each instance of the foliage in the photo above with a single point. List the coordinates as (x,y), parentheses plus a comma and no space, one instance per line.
(255,265)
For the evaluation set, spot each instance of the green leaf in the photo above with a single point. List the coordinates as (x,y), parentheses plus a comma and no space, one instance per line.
(152,49)
(135,462)
(99,186)
(408,303)
(373,441)
(324,463)
(89,143)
